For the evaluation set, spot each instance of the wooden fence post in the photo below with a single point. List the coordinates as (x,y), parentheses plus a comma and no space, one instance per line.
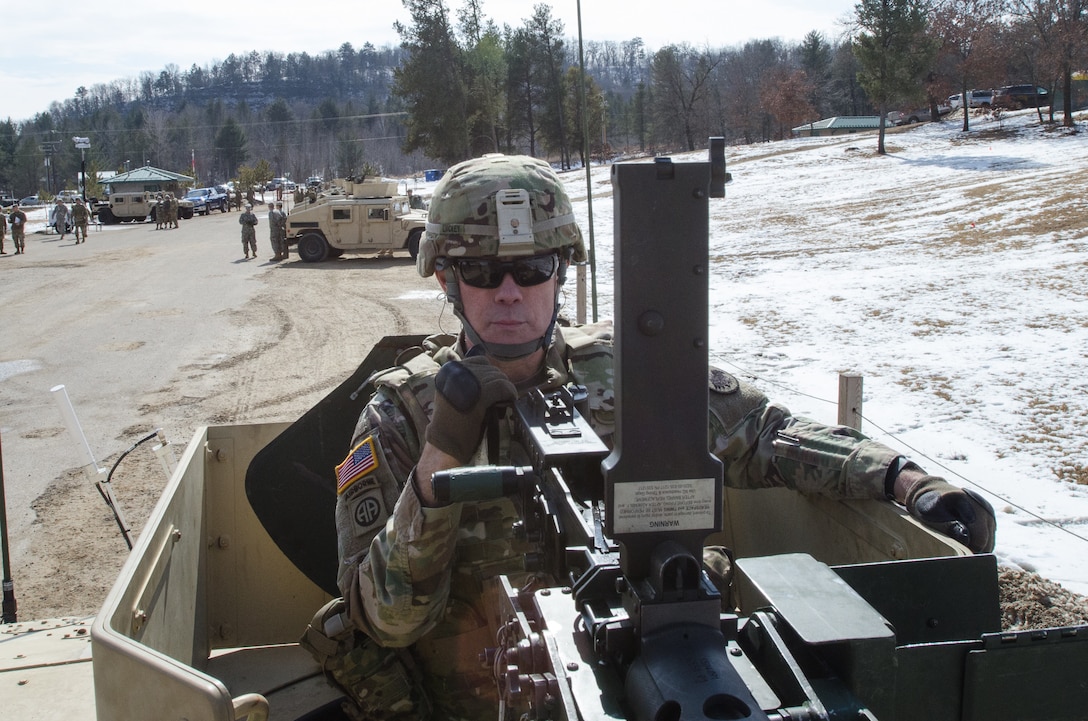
(850,400)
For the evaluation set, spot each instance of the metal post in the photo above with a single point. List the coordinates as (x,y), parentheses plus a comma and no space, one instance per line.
(589,187)
(10,606)
(82,144)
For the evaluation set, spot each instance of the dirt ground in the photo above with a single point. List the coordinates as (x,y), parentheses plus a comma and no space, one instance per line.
(162,329)
(171,329)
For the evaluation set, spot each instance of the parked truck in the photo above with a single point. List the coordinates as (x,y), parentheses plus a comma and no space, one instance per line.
(355,217)
(134,206)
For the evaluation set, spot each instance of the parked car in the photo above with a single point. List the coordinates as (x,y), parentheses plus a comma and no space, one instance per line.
(31,201)
(6,200)
(910,117)
(975,99)
(205,200)
(1015,97)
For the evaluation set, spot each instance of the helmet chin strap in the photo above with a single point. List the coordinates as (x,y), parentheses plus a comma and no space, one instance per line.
(501,351)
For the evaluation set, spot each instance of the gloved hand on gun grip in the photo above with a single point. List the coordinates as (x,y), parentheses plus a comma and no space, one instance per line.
(959,513)
(465,391)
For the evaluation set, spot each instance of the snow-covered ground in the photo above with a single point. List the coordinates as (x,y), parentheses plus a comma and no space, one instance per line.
(948,274)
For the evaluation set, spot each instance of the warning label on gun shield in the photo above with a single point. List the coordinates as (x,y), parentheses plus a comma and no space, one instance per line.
(680,505)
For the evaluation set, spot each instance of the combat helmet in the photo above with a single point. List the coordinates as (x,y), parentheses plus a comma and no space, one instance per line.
(463,220)
(498,206)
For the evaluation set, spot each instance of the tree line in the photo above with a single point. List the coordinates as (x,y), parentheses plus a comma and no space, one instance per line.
(458,85)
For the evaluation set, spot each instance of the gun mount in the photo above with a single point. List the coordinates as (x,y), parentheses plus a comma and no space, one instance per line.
(641,633)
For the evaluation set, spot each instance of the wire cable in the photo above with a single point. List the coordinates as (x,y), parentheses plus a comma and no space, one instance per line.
(929,460)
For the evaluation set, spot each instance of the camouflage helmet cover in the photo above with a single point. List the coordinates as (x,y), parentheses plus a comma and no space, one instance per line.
(463,219)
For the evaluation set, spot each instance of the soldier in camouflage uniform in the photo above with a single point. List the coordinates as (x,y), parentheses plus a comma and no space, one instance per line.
(419,579)
(17,221)
(171,211)
(81,217)
(248,221)
(277,231)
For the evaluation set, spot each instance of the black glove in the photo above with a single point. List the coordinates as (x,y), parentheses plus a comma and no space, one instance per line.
(959,513)
(465,391)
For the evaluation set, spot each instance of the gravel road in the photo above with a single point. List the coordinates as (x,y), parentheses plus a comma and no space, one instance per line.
(166,329)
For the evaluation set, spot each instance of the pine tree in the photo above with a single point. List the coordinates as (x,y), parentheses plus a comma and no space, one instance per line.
(431,84)
(894,52)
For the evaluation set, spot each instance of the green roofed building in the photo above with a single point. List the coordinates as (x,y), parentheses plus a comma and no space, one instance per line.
(839,125)
(149,179)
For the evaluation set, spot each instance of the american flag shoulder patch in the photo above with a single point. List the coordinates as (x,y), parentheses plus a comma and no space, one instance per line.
(361,461)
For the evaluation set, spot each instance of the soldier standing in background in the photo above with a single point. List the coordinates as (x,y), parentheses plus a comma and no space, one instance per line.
(160,212)
(18,228)
(171,211)
(248,221)
(274,232)
(60,217)
(81,216)
(282,218)
(3,232)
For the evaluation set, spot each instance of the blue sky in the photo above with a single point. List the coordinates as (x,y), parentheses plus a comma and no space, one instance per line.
(45,56)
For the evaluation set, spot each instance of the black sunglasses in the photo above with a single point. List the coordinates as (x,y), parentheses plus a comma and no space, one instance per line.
(481,273)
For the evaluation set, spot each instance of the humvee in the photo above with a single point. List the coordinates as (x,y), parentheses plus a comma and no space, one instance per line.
(366,217)
(134,206)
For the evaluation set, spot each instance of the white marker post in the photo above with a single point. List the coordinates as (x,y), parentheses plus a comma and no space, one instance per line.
(90,467)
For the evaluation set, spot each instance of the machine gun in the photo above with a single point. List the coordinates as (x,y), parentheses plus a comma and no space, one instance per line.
(639,632)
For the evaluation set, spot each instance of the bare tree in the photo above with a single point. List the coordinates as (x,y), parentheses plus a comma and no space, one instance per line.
(1062,26)
(963,27)
(682,75)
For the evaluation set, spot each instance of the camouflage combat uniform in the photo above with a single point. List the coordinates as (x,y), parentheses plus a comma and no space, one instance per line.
(17,221)
(248,221)
(276,225)
(424,579)
(81,217)
(171,211)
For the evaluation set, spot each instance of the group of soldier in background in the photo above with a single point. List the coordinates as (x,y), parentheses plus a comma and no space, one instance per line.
(166,211)
(76,219)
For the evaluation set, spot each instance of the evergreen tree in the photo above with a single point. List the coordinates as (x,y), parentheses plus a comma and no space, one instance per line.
(485,79)
(230,145)
(894,53)
(816,62)
(431,84)
(549,57)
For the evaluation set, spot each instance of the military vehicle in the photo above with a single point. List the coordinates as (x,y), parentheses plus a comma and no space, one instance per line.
(839,609)
(355,217)
(134,206)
